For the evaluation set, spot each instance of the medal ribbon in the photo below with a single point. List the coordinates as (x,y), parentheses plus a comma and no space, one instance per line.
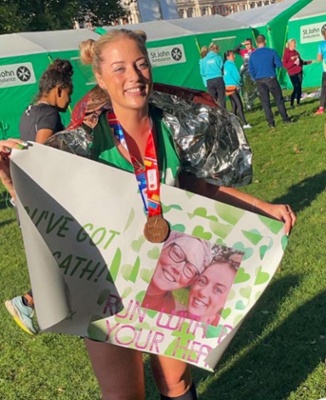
(147,175)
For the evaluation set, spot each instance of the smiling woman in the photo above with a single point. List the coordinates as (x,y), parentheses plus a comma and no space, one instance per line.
(124,135)
(209,292)
(183,258)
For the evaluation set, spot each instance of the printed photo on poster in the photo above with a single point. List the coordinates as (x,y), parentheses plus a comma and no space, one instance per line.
(192,278)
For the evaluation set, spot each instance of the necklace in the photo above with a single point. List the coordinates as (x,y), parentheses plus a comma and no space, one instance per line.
(43,102)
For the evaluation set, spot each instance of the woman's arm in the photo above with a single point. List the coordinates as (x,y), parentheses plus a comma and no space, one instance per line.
(287,62)
(43,135)
(234,197)
(5,149)
(236,75)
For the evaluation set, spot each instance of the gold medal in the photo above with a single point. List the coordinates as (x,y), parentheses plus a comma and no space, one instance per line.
(156,229)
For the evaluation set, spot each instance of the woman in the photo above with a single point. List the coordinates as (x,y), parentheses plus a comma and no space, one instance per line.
(203,54)
(121,66)
(38,122)
(42,119)
(182,260)
(212,71)
(232,82)
(209,292)
(293,64)
(321,57)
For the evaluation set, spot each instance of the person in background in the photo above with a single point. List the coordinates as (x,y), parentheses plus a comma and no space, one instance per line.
(321,57)
(232,82)
(246,51)
(122,68)
(249,88)
(38,122)
(203,54)
(293,64)
(42,118)
(212,71)
(262,68)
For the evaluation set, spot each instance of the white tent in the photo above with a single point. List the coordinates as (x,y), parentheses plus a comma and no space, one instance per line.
(15,44)
(260,16)
(314,9)
(167,29)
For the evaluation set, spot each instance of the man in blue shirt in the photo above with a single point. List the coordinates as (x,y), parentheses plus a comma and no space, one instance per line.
(321,56)
(262,68)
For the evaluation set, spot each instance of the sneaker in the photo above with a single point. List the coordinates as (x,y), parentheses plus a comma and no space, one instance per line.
(247,126)
(320,111)
(287,121)
(21,314)
(272,125)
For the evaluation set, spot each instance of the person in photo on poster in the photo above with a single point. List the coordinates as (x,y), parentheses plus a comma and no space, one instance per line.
(209,292)
(183,258)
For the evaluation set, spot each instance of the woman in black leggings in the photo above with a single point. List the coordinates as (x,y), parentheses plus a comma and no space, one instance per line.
(232,84)
(293,64)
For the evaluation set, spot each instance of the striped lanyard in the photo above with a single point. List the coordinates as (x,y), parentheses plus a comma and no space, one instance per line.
(147,175)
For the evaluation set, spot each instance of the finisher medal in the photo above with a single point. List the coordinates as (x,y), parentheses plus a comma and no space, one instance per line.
(156,229)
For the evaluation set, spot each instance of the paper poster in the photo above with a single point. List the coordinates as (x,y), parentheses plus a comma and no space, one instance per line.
(94,274)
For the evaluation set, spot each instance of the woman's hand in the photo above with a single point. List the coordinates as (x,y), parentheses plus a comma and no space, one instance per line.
(5,149)
(282,212)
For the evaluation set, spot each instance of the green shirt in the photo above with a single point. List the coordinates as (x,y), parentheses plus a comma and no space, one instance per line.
(105,151)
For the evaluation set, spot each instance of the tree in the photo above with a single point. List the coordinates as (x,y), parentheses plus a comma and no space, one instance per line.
(44,15)
(101,12)
(9,18)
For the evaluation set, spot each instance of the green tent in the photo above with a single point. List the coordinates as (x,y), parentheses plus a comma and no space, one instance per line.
(23,59)
(272,22)
(304,27)
(174,45)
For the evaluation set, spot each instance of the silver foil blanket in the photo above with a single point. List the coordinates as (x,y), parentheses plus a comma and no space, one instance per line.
(209,140)
(76,141)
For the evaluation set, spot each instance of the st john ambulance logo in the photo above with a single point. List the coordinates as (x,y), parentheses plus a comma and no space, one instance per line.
(167,55)
(16,75)
(176,54)
(23,73)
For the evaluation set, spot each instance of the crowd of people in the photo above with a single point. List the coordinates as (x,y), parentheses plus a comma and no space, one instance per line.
(124,83)
(257,76)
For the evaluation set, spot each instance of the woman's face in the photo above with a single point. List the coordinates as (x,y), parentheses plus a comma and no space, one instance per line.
(292,44)
(63,98)
(125,74)
(209,292)
(179,264)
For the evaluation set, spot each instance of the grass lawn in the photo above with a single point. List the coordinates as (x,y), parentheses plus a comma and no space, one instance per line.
(279,352)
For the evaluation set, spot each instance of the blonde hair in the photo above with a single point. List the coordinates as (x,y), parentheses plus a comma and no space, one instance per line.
(91,50)
(86,51)
(213,47)
(290,41)
(203,51)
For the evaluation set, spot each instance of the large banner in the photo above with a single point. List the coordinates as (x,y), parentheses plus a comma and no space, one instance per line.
(94,274)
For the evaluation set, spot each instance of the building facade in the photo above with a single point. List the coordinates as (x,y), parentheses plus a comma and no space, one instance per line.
(199,8)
